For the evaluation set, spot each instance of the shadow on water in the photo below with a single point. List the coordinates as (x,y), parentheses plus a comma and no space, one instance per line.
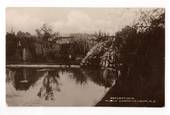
(105,77)
(60,84)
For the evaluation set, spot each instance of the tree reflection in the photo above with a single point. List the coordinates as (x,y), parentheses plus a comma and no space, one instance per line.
(78,76)
(21,78)
(49,81)
(104,77)
(50,84)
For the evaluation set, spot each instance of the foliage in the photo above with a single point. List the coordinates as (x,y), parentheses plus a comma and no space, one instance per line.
(16,42)
(143,46)
(136,49)
(101,36)
(47,46)
(81,43)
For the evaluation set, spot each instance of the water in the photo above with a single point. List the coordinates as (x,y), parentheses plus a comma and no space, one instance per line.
(57,87)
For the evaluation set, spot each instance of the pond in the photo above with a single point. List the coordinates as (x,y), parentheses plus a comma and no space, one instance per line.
(57,86)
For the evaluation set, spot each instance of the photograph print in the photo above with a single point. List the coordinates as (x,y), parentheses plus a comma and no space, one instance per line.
(113,57)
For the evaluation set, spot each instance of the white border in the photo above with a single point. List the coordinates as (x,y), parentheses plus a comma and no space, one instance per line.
(4,110)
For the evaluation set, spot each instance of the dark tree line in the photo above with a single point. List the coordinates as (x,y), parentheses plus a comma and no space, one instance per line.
(14,45)
(47,46)
(141,54)
(142,46)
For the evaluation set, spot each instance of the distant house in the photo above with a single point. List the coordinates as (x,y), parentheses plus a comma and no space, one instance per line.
(62,40)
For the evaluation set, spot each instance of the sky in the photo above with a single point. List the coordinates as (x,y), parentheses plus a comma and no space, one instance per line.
(69,20)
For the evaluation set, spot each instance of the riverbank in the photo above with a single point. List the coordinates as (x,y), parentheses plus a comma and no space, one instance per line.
(135,92)
(40,66)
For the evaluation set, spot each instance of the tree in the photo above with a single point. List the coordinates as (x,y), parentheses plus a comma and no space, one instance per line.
(101,36)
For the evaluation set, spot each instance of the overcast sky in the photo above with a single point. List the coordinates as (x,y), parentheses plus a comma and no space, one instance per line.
(69,20)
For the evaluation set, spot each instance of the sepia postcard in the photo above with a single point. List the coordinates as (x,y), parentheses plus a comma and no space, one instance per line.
(113,57)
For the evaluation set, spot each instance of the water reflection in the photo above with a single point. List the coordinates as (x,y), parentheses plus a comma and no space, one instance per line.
(21,78)
(105,77)
(75,74)
(58,87)
(49,85)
